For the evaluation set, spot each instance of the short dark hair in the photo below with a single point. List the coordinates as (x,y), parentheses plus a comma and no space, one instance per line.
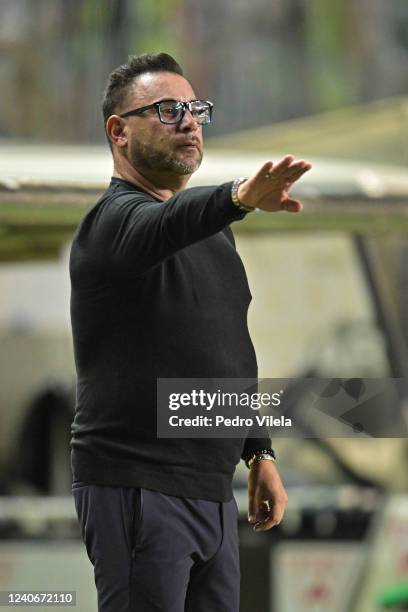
(122,77)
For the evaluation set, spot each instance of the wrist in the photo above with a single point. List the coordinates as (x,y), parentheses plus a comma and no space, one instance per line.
(242,195)
(262,465)
(236,195)
(260,455)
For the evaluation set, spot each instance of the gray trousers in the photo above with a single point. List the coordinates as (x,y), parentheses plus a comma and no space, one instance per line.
(153,552)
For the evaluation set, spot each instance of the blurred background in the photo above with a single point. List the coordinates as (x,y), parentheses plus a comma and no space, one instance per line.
(325,81)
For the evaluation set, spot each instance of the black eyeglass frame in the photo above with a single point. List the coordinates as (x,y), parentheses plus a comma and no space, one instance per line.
(156,105)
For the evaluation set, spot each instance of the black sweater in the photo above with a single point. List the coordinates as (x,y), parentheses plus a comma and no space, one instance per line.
(157,290)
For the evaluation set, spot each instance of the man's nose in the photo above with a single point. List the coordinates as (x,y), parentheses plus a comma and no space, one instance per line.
(188,122)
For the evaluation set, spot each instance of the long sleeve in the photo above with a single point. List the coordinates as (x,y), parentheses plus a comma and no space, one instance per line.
(142,232)
(252,445)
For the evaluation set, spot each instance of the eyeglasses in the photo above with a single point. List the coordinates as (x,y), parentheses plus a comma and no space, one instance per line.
(172,111)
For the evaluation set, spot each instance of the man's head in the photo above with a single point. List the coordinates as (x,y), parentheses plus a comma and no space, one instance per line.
(143,138)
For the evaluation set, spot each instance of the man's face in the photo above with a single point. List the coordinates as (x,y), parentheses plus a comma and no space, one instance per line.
(176,148)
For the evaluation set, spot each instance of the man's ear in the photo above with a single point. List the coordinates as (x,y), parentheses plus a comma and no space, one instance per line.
(115,131)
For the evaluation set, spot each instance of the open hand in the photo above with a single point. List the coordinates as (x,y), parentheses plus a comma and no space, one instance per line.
(269,189)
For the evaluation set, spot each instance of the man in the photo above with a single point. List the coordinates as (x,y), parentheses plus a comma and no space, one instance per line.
(158,290)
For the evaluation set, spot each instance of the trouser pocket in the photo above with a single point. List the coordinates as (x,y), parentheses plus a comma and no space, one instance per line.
(110,519)
(81,494)
(136,523)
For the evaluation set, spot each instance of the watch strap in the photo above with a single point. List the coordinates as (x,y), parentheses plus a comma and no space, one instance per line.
(234,195)
(259,455)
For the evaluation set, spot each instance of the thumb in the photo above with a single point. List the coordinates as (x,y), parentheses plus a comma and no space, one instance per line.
(293,206)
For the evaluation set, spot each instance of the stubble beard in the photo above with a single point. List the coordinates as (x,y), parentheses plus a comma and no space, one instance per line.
(143,156)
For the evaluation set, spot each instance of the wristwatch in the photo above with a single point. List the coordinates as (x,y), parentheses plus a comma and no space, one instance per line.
(234,195)
(259,455)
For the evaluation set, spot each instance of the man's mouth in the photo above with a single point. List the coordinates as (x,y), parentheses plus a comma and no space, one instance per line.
(190,145)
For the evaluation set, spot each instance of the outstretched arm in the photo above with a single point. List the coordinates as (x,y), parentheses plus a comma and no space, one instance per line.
(143,232)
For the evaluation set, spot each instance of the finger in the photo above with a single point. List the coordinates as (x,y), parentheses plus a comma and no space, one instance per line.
(302,163)
(299,164)
(295,172)
(282,166)
(275,517)
(265,170)
(264,512)
(292,206)
(258,511)
(266,525)
(252,509)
